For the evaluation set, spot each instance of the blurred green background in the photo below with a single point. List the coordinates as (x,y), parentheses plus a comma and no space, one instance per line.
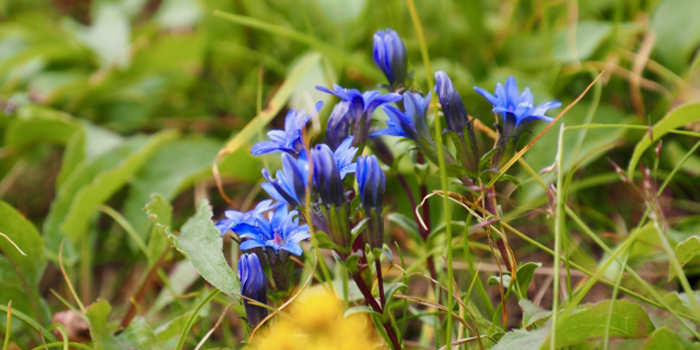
(104,102)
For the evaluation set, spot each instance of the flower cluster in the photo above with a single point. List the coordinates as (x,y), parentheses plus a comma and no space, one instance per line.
(315,179)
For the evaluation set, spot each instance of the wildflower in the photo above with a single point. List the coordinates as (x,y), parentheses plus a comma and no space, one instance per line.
(390,56)
(317,322)
(327,176)
(253,286)
(289,185)
(236,220)
(460,128)
(288,140)
(280,231)
(352,115)
(516,110)
(412,123)
(371,181)
(344,155)
(329,184)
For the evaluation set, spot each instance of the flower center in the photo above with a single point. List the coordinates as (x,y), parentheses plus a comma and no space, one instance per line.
(277,239)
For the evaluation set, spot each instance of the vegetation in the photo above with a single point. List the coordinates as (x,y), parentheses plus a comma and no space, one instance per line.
(145,144)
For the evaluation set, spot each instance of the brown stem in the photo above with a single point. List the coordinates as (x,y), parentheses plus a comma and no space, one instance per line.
(380,282)
(373,304)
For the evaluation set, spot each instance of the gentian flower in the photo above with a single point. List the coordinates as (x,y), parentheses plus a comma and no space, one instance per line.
(451,102)
(236,220)
(344,155)
(281,231)
(289,186)
(390,56)
(353,114)
(412,123)
(327,176)
(288,140)
(253,286)
(461,130)
(515,108)
(371,181)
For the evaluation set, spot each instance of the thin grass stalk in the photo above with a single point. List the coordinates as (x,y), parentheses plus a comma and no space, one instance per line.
(558,227)
(441,164)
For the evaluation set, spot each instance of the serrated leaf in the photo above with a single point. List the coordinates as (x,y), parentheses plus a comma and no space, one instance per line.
(678,117)
(161,213)
(685,251)
(200,241)
(138,335)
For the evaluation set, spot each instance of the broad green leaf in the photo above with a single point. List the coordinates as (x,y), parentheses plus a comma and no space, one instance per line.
(341,11)
(138,335)
(18,229)
(108,34)
(161,213)
(89,185)
(666,21)
(629,320)
(176,167)
(532,313)
(685,251)
(524,274)
(15,288)
(666,339)
(676,118)
(589,36)
(200,241)
(37,124)
(101,333)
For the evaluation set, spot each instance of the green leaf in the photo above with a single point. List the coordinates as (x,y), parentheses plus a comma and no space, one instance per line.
(37,124)
(524,274)
(666,339)
(407,224)
(532,313)
(161,213)
(177,166)
(676,118)
(90,185)
(101,334)
(676,50)
(200,241)
(589,36)
(629,320)
(27,266)
(362,309)
(685,251)
(138,335)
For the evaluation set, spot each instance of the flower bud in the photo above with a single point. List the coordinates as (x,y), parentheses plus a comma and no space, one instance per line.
(371,181)
(390,56)
(253,286)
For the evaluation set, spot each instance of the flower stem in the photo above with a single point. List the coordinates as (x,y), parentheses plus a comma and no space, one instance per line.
(373,304)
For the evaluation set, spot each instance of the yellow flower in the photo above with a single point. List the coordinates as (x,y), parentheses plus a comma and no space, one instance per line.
(317,323)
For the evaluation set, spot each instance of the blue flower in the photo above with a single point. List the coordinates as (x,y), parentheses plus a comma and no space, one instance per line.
(411,124)
(515,108)
(451,102)
(327,176)
(352,115)
(371,182)
(280,232)
(289,186)
(390,56)
(253,286)
(288,140)
(237,221)
(345,156)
